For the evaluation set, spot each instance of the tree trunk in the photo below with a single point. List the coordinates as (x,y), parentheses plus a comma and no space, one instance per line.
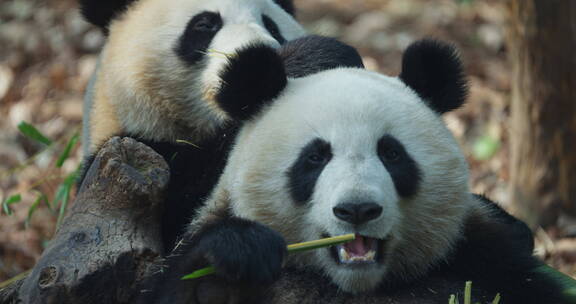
(543,110)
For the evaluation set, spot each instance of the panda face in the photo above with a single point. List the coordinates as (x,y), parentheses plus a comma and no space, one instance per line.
(350,151)
(162,61)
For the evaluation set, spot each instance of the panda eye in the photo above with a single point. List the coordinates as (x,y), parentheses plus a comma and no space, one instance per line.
(207,22)
(273,29)
(316,159)
(391,155)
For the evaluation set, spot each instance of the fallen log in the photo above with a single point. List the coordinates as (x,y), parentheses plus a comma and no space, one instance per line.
(110,235)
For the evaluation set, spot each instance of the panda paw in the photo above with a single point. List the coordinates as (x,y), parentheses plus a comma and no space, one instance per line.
(242,251)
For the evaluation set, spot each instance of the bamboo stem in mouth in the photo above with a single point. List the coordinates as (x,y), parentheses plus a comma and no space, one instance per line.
(331,241)
(310,245)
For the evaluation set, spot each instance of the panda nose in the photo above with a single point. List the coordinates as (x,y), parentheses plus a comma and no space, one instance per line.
(357,213)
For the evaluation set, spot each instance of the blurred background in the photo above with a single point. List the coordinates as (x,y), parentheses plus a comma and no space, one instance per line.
(47,54)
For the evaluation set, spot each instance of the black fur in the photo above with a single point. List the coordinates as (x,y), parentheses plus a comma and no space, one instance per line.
(496,254)
(273,29)
(242,250)
(401,166)
(245,254)
(197,37)
(254,76)
(434,71)
(286,5)
(258,73)
(101,12)
(194,171)
(307,168)
(312,54)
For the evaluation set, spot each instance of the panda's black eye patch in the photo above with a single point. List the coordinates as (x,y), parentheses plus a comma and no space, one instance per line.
(273,29)
(305,171)
(401,166)
(197,36)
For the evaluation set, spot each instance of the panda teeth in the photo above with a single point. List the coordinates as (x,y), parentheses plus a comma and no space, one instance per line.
(346,258)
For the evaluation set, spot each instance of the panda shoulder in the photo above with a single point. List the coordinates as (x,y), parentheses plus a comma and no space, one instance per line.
(496,252)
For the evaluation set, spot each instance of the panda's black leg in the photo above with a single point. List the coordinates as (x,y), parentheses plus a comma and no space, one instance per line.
(248,257)
(241,250)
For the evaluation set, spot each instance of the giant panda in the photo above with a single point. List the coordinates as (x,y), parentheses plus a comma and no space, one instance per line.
(156,79)
(346,150)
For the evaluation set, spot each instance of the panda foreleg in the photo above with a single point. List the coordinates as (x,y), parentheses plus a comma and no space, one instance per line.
(247,255)
(242,251)
(496,254)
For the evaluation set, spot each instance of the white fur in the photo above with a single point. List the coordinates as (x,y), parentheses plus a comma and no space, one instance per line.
(352,109)
(149,91)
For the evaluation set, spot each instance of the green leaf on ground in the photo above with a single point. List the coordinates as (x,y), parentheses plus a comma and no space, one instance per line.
(31,132)
(66,153)
(16,198)
(41,198)
(63,195)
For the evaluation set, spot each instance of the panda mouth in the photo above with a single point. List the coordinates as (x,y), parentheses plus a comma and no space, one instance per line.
(362,250)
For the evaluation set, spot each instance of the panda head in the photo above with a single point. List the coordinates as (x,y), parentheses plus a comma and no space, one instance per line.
(159,69)
(345,151)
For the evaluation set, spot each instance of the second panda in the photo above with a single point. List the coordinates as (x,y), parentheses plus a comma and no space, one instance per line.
(351,151)
(156,78)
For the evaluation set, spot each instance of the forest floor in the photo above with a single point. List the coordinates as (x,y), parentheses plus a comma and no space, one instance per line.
(47,54)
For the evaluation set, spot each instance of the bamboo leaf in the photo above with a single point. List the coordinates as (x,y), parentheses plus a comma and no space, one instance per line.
(16,198)
(200,273)
(31,132)
(66,153)
(63,195)
(41,198)
(331,241)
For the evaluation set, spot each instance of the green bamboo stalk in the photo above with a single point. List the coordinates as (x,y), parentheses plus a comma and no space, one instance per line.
(468,293)
(496,299)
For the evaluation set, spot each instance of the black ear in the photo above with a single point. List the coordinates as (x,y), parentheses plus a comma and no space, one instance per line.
(434,71)
(286,5)
(101,12)
(312,54)
(252,78)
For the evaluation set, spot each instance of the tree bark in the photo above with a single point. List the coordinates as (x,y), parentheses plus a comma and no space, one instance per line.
(543,111)
(110,235)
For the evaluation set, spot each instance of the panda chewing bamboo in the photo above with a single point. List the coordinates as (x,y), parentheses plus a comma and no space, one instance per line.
(343,151)
(155,80)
